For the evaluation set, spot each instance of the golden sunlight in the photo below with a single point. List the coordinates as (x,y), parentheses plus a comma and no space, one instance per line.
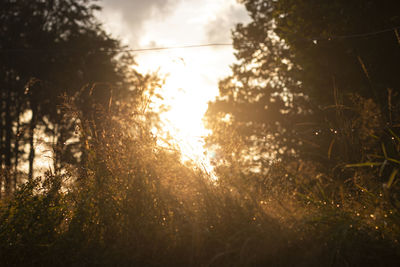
(186,95)
(193,73)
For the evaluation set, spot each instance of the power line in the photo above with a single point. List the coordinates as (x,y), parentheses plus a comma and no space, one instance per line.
(333,37)
(117,50)
(176,47)
(357,35)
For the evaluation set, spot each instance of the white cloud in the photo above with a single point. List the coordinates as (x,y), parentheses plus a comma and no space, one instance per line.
(125,18)
(218,30)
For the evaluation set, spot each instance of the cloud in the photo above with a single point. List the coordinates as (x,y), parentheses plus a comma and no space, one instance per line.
(128,16)
(219,29)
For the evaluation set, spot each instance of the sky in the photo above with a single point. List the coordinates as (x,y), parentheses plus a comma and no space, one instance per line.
(192,73)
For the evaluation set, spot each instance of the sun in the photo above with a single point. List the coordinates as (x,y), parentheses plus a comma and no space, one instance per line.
(187,97)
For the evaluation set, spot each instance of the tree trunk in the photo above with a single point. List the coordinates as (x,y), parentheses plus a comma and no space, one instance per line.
(2,128)
(31,142)
(16,148)
(7,145)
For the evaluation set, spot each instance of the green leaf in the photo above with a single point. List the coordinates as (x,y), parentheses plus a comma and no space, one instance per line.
(365,164)
(384,150)
(391,178)
(394,160)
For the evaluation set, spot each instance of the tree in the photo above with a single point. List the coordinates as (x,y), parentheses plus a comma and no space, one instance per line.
(306,73)
(47,49)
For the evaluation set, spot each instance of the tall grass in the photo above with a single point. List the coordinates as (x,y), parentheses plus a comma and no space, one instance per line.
(133,203)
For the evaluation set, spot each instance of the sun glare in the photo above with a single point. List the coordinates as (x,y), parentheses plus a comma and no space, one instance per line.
(186,95)
(193,74)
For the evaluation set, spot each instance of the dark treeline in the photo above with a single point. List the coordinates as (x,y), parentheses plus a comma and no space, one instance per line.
(315,96)
(313,77)
(306,134)
(49,49)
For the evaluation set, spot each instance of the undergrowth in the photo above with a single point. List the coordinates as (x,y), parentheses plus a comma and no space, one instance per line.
(133,203)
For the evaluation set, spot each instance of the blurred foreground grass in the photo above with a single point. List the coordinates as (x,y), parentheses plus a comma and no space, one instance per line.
(132,203)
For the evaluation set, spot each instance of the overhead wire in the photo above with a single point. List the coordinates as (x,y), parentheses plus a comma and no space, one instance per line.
(356,35)
(333,37)
(117,50)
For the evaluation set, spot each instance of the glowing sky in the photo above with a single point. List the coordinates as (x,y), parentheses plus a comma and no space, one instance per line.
(193,73)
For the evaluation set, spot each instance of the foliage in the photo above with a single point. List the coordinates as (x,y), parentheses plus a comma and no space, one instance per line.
(303,68)
(47,49)
(312,108)
(133,203)
(32,221)
(130,202)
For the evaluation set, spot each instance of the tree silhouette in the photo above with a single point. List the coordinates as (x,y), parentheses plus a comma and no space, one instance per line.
(305,73)
(48,49)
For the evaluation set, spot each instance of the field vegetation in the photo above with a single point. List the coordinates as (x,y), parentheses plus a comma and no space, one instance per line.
(307,165)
